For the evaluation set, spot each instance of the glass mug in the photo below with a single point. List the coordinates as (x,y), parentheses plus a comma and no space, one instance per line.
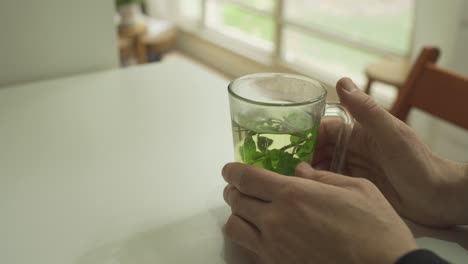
(276,117)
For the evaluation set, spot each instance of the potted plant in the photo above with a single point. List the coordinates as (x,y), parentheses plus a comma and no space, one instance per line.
(130,11)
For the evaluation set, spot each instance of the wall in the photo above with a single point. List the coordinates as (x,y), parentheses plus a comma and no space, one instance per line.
(443,24)
(50,38)
(460,62)
(436,23)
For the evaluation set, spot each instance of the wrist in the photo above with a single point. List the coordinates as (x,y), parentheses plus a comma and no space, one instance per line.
(451,194)
(393,252)
(461,190)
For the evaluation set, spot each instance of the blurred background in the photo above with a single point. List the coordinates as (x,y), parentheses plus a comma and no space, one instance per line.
(324,39)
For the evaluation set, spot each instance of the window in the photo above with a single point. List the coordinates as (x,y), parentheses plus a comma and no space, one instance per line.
(341,36)
(189,9)
(250,21)
(383,24)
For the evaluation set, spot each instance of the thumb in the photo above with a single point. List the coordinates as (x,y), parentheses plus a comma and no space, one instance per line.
(365,110)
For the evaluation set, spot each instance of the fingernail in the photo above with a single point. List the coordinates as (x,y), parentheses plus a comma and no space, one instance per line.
(347,85)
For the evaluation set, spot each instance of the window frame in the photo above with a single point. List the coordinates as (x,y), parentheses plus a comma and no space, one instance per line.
(280,23)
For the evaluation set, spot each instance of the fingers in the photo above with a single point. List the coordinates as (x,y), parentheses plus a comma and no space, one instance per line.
(253,181)
(328,132)
(249,208)
(324,153)
(242,232)
(391,134)
(363,107)
(304,170)
(325,146)
(373,118)
(323,164)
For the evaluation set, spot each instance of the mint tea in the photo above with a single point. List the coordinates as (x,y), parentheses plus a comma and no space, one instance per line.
(275,120)
(278,145)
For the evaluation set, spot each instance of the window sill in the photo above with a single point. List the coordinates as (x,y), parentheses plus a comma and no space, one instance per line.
(229,43)
(264,58)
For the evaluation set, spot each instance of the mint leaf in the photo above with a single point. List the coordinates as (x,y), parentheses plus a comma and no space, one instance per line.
(306,134)
(241,152)
(287,164)
(248,151)
(256,147)
(304,152)
(267,164)
(274,156)
(295,139)
(249,144)
(263,143)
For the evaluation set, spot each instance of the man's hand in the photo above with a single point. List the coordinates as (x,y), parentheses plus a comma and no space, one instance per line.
(420,185)
(318,217)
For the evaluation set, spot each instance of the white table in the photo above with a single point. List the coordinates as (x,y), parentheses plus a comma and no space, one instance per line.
(121,167)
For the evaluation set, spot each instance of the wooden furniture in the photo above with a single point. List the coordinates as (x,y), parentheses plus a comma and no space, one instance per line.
(159,38)
(392,71)
(153,37)
(135,33)
(434,90)
(125,49)
(124,166)
(159,44)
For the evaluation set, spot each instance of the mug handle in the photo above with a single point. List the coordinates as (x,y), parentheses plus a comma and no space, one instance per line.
(336,110)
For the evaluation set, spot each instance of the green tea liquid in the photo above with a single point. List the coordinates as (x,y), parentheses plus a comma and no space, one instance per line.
(274,145)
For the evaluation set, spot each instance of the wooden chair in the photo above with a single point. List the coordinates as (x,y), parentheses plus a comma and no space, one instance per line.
(434,90)
(125,50)
(160,38)
(392,71)
(135,32)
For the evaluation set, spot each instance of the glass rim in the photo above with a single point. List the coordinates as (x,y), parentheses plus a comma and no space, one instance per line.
(290,75)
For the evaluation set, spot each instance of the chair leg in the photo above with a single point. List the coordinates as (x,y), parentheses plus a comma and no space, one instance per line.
(141,52)
(368,86)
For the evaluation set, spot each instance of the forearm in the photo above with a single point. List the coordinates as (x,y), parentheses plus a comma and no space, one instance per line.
(446,202)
